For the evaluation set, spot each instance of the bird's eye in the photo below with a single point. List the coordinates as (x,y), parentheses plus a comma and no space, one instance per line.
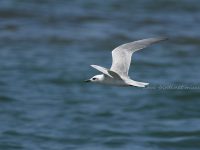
(94,78)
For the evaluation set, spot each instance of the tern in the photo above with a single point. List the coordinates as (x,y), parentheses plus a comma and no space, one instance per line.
(121,60)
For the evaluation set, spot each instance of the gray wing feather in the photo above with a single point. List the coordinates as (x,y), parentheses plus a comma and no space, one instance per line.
(101,69)
(107,72)
(121,56)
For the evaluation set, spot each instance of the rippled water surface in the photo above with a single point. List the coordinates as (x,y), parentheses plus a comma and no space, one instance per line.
(46,47)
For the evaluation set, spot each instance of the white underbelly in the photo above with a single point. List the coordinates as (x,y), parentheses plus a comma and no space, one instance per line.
(114,82)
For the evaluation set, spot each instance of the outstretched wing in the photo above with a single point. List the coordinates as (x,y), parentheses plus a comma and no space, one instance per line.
(106,71)
(121,56)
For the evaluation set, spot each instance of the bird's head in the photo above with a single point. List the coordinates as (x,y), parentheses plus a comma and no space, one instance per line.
(96,78)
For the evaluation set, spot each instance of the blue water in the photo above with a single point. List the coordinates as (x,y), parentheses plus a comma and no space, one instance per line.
(46,48)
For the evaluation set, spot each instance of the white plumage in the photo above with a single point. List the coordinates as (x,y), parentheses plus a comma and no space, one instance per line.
(121,59)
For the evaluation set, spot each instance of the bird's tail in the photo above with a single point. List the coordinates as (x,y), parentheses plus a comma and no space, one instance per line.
(136,83)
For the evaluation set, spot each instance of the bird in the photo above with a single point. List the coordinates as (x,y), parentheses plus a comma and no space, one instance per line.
(117,75)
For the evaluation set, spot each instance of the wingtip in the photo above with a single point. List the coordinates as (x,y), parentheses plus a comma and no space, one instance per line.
(158,39)
(93,66)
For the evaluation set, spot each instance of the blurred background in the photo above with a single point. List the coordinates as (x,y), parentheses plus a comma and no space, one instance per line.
(46,47)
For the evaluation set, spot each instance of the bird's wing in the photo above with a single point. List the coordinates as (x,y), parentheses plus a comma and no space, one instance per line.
(121,56)
(114,74)
(106,71)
